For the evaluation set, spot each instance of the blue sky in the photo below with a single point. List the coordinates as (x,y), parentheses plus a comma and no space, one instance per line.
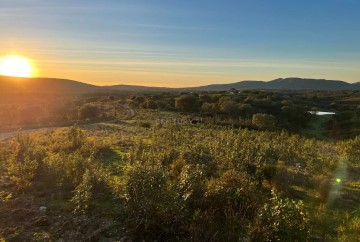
(184,43)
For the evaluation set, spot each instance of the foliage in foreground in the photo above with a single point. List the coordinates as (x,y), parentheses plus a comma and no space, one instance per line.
(179,183)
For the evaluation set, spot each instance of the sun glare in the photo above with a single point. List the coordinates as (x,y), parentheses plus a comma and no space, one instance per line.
(15,66)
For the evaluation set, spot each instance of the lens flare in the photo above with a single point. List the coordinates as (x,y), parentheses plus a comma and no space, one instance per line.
(337,186)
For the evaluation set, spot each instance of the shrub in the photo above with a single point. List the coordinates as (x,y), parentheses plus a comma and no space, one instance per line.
(83,193)
(227,209)
(192,184)
(22,164)
(21,173)
(281,220)
(88,111)
(349,230)
(264,121)
(153,212)
(151,104)
(352,150)
(187,102)
(76,137)
(208,108)
(228,106)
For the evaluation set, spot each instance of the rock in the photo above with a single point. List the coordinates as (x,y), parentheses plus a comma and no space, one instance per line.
(42,210)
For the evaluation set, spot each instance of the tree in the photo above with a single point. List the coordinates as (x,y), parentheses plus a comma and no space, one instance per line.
(208,108)
(138,100)
(89,111)
(151,104)
(296,115)
(205,98)
(264,121)
(228,106)
(187,102)
(246,110)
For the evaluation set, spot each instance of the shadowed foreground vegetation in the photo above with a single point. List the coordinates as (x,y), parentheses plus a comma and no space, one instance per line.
(126,182)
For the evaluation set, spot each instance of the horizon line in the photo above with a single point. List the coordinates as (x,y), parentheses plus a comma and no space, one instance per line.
(121,84)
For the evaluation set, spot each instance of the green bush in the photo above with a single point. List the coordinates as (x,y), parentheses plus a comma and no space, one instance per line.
(264,121)
(182,183)
(349,230)
(226,210)
(89,111)
(187,102)
(281,220)
(23,161)
(152,209)
(83,193)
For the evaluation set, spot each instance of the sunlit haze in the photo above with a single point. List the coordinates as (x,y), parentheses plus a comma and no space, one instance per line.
(184,43)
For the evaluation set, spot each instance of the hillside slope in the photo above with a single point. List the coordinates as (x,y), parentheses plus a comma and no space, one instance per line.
(10,85)
(13,85)
(134,88)
(310,84)
(283,84)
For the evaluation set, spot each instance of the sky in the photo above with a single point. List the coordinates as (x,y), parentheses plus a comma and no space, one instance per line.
(180,43)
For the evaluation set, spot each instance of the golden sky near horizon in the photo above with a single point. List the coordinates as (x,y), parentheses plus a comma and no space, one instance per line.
(182,43)
(170,71)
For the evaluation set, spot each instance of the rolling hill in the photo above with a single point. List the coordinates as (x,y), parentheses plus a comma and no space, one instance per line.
(9,85)
(283,84)
(19,85)
(277,84)
(133,88)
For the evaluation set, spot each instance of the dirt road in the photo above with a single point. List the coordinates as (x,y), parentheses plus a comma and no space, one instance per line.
(8,135)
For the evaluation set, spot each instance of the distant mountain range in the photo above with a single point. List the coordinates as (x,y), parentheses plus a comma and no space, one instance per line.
(62,86)
(284,84)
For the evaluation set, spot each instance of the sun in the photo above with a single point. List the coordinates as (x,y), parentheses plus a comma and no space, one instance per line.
(15,66)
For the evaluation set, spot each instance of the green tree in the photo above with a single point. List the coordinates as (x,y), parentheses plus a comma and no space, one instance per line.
(264,121)
(208,108)
(187,102)
(205,98)
(89,111)
(228,106)
(246,110)
(151,104)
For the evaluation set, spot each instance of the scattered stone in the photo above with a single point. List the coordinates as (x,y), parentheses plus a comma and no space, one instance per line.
(42,210)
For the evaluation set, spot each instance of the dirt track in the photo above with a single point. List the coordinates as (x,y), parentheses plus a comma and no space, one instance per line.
(8,135)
